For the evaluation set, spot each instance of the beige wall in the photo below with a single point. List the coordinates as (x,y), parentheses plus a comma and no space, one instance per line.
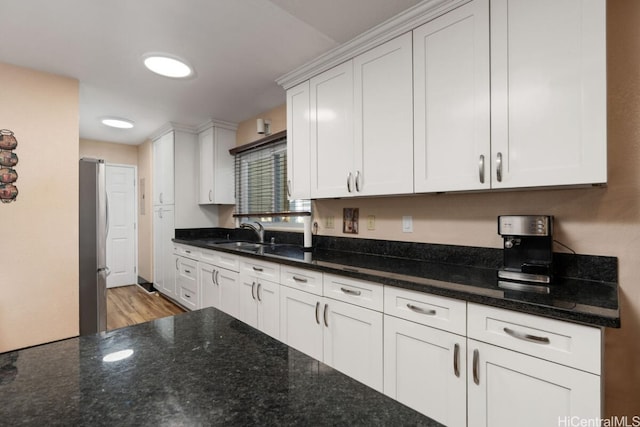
(39,262)
(247,131)
(145,211)
(119,154)
(597,221)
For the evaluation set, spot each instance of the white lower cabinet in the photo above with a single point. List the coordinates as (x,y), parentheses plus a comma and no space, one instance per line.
(259,296)
(344,336)
(425,368)
(220,286)
(187,286)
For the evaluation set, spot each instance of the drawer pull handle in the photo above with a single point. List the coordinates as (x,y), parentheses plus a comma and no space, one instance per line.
(350,291)
(326,308)
(257,268)
(526,337)
(187,295)
(317,314)
(253,286)
(187,271)
(421,310)
(476,366)
(456,360)
(299,279)
(188,252)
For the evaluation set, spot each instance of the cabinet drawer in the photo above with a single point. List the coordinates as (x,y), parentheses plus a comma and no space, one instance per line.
(431,310)
(359,292)
(188,298)
(221,259)
(187,276)
(299,278)
(261,269)
(186,251)
(569,344)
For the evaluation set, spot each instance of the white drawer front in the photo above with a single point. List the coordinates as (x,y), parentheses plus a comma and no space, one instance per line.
(261,269)
(186,251)
(298,278)
(359,292)
(188,298)
(221,259)
(439,312)
(187,273)
(569,344)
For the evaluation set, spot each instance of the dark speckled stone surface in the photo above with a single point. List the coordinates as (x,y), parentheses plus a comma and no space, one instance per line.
(198,368)
(584,288)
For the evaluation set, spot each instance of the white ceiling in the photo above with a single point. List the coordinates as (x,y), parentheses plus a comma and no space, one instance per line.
(238,49)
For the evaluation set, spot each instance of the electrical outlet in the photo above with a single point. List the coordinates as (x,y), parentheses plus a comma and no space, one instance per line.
(371,222)
(329,222)
(407,224)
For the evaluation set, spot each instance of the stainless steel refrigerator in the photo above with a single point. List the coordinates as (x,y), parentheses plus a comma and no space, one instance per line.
(94,224)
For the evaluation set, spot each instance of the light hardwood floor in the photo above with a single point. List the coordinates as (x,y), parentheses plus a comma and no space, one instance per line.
(129,305)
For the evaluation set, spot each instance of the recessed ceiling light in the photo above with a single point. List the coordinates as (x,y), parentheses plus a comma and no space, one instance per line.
(116,122)
(167,65)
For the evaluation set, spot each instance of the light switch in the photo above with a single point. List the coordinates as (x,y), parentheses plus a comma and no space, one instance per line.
(371,222)
(329,222)
(407,224)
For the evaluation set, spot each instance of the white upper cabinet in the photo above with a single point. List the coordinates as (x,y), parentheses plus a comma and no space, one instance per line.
(451,101)
(216,181)
(332,151)
(383,120)
(298,142)
(163,170)
(548,92)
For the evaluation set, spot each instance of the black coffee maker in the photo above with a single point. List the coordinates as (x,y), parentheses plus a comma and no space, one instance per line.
(528,248)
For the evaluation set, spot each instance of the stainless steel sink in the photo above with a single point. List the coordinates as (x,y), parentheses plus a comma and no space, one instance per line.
(242,246)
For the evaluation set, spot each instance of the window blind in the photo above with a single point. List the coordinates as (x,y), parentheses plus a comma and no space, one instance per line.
(261,183)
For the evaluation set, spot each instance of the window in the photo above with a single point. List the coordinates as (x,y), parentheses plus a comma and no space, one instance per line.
(261,185)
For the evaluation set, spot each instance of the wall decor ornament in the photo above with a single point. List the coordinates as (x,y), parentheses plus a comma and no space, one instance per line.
(8,159)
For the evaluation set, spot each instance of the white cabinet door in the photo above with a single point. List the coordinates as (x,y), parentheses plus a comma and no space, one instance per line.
(298,142)
(300,321)
(208,286)
(353,341)
(205,182)
(229,284)
(163,170)
(268,309)
(383,130)
(425,368)
(332,149)
(451,101)
(506,388)
(164,266)
(248,301)
(548,92)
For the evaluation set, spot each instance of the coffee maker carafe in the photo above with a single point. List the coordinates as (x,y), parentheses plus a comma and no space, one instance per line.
(528,248)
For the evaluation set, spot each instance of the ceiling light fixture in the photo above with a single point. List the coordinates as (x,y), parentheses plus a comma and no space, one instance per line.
(116,122)
(168,65)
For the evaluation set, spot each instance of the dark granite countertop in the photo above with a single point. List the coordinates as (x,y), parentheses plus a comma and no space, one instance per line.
(197,368)
(585,292)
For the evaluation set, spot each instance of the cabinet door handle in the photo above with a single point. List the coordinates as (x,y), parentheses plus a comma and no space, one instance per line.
(358,181)
(289,187)
(161,198)
(326,308)
(317,314)
(299,279)
(253,287)
(499,167)
(213,276)
(481,168)
(217,278)
(257,269)
(421,310)
(526,337)
(210,195)
(349,182)
(456,360)
(160,213)
(258,292)
(350,291)
(177,268)
(476,366)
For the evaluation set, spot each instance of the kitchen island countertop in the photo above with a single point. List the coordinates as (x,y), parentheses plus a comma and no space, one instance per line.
(197,368)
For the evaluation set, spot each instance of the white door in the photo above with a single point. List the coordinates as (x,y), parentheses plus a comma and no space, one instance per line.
(208,286)
(451,87)
(300,321)
(383,117)
(268,295)
(121,236)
